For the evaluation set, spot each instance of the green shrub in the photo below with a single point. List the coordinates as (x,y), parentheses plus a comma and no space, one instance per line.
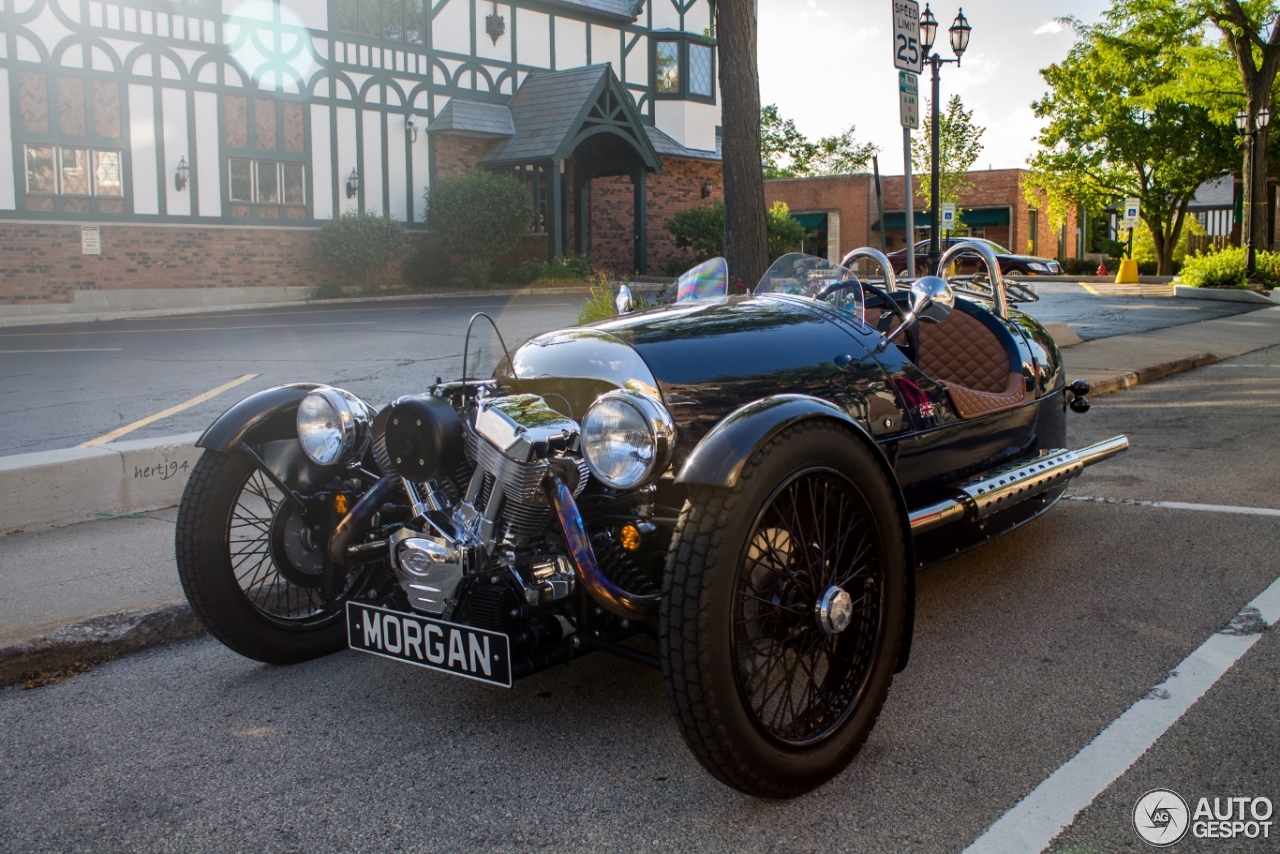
(600,303)
(1267,269)
(575,268)
(700,231)
(1221,269)
(479,217)
(428,267)
(363,245)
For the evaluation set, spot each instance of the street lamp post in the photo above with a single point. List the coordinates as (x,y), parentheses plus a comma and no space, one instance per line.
(1260,121)
(959,44)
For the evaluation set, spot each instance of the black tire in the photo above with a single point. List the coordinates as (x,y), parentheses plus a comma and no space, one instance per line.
(733,599)
(232,571)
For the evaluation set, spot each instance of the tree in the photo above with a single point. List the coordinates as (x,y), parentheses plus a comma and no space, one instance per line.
(842,154)
(745,244)
(784,151)
(1110,135)
(1250,47)
(479,216)
(958,149)
(788,153)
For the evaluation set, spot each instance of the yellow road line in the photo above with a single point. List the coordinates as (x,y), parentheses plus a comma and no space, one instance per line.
(172,410)
(1089,289)
(71,350)
(191,329)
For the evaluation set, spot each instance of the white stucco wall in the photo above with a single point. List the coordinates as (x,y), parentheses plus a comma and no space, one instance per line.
(142,147)
(8,191)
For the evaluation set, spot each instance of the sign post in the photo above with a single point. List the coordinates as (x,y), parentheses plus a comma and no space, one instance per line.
(908,58)
(1128,274)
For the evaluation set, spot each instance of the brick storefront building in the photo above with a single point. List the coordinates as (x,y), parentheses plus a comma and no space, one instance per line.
(841,209)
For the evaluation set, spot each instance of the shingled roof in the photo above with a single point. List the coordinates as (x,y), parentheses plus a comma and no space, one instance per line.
(625,9)
(549,109)
(668,147)
(474,119)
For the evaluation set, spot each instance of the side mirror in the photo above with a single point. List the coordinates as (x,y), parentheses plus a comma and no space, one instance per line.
(624,302)
(932,299)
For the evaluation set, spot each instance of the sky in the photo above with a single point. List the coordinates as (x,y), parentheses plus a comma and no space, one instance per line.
(829,63)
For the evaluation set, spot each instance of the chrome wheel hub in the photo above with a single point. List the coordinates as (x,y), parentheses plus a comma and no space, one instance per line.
(834,610)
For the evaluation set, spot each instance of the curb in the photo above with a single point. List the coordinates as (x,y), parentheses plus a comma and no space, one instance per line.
(1119,382)
(96,640)
(51,488)
(146,313)
(1223,295)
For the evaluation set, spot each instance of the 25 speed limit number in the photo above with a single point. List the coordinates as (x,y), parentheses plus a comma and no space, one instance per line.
(907,53)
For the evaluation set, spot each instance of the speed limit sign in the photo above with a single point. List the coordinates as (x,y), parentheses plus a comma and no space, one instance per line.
(907,53)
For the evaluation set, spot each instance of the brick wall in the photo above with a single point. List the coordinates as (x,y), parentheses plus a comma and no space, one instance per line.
(458,155)
(42,263)
(854,197)
(677,187)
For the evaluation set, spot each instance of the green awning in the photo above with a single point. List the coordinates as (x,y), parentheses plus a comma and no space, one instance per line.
(972,217)
(812,221)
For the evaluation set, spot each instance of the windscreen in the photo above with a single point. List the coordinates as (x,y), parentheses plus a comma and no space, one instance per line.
(815,278)
(708,280)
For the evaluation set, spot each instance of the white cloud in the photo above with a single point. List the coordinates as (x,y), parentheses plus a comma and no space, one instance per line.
(1048,29)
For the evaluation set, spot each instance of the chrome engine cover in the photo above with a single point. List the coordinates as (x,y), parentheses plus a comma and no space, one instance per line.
(430,570)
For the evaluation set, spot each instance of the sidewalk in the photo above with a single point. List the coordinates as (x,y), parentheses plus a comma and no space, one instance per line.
(87,592)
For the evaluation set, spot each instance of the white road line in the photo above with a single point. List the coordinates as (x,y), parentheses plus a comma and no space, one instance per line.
(71,350)
(165,413)
(189,329)
(1053,805)
(1180,505)
(1242,366)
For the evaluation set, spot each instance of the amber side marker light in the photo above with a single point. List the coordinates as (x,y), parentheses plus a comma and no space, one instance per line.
(629,536)
(340,503)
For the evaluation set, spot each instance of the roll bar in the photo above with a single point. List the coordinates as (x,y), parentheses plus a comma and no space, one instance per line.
(880,258)
(983,251)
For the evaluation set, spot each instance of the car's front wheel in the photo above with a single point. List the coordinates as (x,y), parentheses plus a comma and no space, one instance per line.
(783,611)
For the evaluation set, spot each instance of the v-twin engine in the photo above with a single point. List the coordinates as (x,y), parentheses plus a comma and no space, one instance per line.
(487,510)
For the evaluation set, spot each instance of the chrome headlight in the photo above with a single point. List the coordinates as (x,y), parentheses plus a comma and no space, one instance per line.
(627,439)
(1038,267)
(333,426)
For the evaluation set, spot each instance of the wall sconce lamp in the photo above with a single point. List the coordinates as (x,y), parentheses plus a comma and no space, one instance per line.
(707,186)
(411,125)
(353,183)
(180,177)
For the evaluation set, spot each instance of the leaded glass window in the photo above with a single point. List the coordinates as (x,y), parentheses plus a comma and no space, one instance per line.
(74,171)
(668,66)
(700,82)
(66,171)
(392,20)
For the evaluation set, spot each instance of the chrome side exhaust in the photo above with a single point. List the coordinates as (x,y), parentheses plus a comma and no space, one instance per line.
(1014,485)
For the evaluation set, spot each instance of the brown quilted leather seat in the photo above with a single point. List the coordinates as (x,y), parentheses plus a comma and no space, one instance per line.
(969,360)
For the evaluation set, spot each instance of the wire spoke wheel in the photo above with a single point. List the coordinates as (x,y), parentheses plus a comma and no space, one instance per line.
(257,522)
(801,679)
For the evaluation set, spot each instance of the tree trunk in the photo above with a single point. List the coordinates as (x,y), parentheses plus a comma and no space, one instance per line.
(1258,191)
(745,234)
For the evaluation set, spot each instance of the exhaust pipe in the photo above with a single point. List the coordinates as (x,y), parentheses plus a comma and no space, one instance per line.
(611,597)
(1014,485)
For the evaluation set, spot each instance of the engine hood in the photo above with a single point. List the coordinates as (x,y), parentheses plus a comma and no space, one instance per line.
(703,359)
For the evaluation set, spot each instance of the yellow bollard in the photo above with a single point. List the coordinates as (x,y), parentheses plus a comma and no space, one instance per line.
(1128,274)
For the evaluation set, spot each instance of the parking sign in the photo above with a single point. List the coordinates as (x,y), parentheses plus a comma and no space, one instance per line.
(1131,208)
(909,100)
(907,53)
(947,212)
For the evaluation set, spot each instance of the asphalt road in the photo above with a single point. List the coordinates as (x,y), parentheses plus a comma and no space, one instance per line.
(1025,651)
(67,384)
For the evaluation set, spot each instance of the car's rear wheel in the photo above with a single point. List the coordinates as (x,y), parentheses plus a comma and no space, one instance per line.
(783,612)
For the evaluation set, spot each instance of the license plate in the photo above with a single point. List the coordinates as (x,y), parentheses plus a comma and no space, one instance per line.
(434,644)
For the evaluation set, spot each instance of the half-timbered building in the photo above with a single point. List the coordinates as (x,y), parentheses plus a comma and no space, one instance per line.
(208,140)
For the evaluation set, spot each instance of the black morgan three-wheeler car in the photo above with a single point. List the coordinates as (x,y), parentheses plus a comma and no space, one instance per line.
(750,481)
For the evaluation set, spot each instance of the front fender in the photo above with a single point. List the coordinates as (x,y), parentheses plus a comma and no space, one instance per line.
(271,410)
(718,459)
